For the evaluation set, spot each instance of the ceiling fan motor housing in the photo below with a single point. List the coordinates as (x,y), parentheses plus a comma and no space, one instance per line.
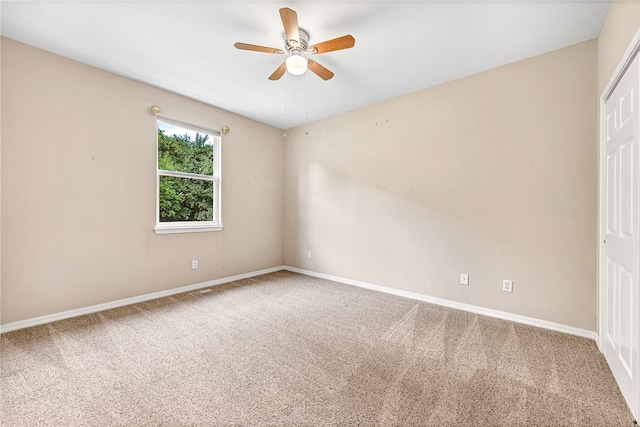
(298,46)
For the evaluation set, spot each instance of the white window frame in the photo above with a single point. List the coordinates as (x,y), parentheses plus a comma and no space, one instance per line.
(192,226)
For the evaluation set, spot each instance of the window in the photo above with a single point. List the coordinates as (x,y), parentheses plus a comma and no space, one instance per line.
(188,178)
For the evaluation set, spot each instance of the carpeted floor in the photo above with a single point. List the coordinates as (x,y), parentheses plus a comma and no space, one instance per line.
(290,350)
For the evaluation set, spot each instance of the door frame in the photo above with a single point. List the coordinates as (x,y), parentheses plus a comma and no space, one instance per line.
(627,58)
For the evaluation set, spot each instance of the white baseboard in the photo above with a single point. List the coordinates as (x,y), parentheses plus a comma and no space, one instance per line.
(420,297)
(457,305)
(128,301)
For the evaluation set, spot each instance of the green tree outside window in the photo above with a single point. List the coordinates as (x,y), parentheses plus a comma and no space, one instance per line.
(189,197)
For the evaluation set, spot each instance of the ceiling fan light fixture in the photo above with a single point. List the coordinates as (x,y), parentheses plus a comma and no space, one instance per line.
(297,64)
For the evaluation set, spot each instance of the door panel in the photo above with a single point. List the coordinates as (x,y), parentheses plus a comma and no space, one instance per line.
(626,188)
(611,173)
(620,225)
(611,124)
(625,337)
(626,106)
(610,296)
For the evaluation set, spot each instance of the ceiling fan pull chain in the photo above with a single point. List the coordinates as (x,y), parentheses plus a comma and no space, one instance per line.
(306,119)
(286,79)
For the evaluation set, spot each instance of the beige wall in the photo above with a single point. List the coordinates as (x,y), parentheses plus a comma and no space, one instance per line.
(493,175)
(78,189)
(620,25)
(0,170)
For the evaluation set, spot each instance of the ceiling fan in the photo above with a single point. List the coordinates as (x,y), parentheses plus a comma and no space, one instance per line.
(296,45)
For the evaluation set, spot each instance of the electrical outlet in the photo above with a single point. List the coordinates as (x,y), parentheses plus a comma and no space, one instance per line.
(507,285)
(464,279)
(309,254)
(194,264)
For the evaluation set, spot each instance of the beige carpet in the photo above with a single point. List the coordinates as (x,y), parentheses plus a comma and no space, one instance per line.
(289,350)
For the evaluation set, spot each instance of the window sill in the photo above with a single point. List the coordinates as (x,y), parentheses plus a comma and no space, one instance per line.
(186,228)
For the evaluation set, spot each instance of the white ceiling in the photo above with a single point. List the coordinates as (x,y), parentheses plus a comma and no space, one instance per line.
(401,47)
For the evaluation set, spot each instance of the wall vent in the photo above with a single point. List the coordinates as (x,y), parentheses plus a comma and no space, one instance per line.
(200,292)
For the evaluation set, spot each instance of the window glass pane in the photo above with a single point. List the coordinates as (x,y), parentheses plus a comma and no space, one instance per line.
(184,150)
(185,199)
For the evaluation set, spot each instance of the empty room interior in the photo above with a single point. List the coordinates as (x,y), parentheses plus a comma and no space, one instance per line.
(407,213)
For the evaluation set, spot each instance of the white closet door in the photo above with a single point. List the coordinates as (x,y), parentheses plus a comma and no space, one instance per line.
(620,225)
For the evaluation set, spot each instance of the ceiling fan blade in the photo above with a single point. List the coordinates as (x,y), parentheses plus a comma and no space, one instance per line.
(279,72)
(322,72)
(290,22)
(256,48)
(344,42)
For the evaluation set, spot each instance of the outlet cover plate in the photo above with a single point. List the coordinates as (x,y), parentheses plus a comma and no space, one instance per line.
(507,285)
